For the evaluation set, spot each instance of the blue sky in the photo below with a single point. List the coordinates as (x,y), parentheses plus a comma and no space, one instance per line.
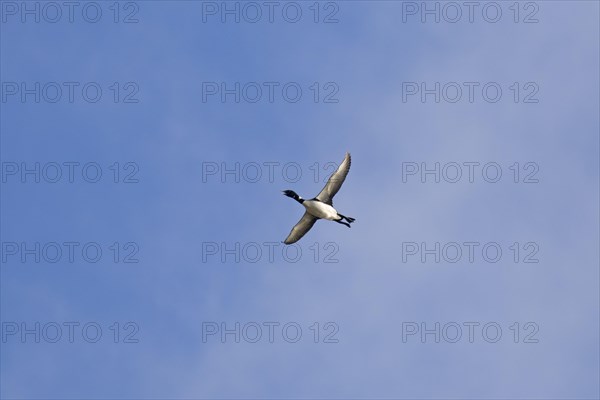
(171,214)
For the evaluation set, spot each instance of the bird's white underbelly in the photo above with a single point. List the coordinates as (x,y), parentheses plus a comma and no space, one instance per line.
(320,210)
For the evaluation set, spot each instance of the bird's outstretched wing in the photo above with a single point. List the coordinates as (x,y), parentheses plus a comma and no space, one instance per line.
(306,222)
(335,182)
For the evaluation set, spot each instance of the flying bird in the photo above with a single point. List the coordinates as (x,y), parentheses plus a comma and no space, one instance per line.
(321,207)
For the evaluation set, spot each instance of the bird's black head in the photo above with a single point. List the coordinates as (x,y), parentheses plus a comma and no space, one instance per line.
(293,195)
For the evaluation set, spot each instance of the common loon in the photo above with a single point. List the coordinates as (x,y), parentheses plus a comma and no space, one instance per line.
(321,207)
